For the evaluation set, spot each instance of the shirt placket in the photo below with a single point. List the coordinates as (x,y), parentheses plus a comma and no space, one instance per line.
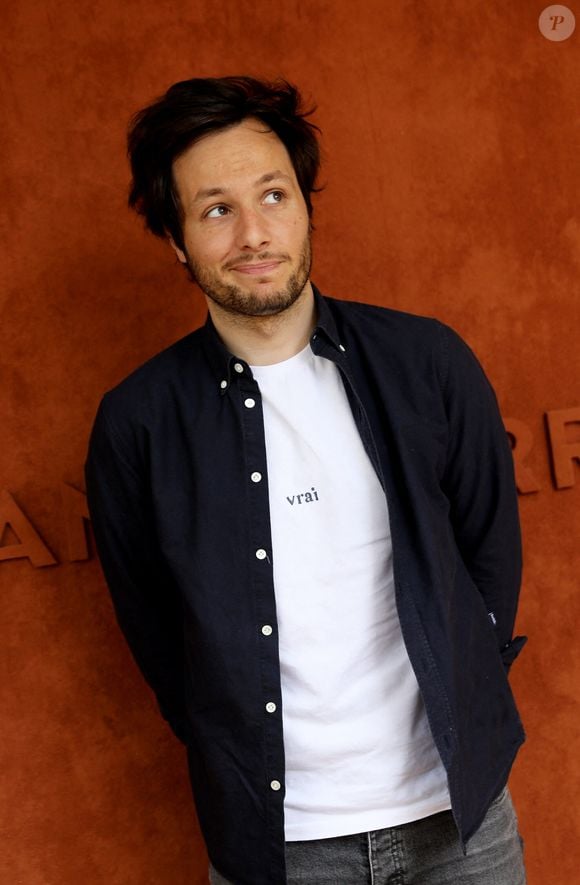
(260,556)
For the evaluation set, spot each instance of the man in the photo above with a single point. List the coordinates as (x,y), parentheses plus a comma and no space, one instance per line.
(306,515)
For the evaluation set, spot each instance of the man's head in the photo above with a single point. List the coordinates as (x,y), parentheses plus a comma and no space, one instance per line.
(225,169)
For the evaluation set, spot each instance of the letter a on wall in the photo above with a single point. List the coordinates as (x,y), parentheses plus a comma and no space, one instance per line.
(30,546)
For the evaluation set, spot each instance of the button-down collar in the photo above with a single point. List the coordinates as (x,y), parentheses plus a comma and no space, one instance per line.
(226,366)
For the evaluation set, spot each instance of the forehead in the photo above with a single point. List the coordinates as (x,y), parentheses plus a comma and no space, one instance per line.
(231,157)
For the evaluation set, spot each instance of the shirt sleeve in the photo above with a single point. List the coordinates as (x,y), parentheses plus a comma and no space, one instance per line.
(479,482)
(145,600)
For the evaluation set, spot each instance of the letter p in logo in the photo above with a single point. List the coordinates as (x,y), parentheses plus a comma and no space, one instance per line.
(557,23)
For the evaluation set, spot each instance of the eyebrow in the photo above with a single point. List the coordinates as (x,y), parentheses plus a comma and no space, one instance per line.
(204,193)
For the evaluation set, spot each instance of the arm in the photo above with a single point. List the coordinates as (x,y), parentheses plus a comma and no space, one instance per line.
(146,603)
(479,482)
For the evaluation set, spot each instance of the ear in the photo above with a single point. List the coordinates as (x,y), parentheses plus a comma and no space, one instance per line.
(179,252)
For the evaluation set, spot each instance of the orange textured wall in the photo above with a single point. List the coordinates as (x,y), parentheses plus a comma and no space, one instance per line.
(451,136)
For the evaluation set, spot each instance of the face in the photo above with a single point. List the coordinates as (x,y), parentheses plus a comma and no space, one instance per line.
(245,222)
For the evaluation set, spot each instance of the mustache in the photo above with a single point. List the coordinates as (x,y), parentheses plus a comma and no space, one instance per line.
(257,259)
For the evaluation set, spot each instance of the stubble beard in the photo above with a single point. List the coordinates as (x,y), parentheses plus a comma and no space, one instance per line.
(240,302)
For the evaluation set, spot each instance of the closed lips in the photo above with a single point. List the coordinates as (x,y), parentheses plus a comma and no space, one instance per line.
(256,268)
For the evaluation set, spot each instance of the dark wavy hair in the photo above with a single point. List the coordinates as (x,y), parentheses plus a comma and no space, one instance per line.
(163,130)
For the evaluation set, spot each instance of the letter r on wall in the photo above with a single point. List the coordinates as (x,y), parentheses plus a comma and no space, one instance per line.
(522,442)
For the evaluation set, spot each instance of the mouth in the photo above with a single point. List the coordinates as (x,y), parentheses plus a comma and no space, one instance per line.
(257,269)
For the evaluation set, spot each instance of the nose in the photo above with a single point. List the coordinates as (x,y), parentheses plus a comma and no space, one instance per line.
(252,232)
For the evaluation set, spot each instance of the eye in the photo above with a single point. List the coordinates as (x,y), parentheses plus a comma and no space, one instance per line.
(274,197)
(217,212)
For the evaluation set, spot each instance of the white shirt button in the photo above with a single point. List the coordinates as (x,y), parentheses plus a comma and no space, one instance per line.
(260,553)
(342,347)
(249,403)
(267,630)
(275,785)
(239,368)
(256,477)
(223,384)
(270,707)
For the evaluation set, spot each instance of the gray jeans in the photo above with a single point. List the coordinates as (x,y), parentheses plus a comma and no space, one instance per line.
(424,852)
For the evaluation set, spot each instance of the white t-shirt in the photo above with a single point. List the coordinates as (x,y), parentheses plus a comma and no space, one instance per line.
(359,751)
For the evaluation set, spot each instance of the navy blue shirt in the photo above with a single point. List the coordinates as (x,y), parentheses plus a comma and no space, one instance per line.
(183,535)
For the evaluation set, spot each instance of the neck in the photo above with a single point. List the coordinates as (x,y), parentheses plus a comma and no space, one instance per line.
(263,341)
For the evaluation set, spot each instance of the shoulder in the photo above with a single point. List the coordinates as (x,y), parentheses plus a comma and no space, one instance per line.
(405,340)
(394,331)
(156,380)
(385,319)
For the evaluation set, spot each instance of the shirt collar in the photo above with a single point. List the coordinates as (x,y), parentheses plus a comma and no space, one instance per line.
(223,363)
